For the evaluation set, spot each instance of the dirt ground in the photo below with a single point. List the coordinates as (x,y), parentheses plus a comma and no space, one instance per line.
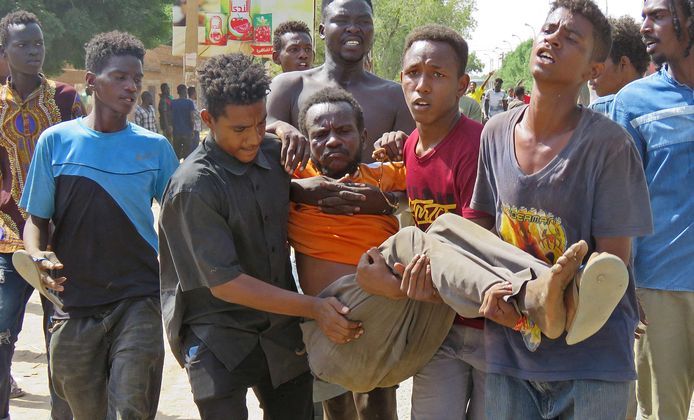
(176,402)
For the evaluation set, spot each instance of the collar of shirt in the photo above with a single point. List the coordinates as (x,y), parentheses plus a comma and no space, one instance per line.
(14,96)
(229,162)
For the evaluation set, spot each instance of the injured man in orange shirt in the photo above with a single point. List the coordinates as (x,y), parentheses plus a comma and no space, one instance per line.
(407,291)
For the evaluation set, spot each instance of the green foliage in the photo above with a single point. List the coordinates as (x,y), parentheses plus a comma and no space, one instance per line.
(69,24)
(394,19)
(516,66)
(474,64)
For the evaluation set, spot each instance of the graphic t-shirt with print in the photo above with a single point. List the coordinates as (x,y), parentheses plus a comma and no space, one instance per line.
(595,187)
(442,180)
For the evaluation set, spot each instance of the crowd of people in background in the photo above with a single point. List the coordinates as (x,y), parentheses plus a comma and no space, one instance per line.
(334,233)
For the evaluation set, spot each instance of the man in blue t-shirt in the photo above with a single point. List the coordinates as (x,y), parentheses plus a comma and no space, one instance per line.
(183,114)
(658,112)
(94,179)
(554,173)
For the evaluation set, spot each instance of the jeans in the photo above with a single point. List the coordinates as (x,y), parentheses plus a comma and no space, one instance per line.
(451,385)
(109,365)
(510,398)
(220,394)
(14,295)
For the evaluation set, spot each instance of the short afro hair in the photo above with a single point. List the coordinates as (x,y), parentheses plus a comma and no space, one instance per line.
(602,32)
(288,27)
(111,44)
(326,3)
(231,79)
(519,92)
(20,17)
(440,33)
(331,95)
(626,41)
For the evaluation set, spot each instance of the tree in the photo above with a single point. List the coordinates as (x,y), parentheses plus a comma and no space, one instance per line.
(474,64)
(516,66)
(394,19)
(69,24)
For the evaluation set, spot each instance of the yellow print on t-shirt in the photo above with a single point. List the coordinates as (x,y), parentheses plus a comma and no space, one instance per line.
(424,212)
(534,231)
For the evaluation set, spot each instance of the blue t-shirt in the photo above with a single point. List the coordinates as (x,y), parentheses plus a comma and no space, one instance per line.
(658,112)
(97,188)
(182,110)
(594,188)
(603,104)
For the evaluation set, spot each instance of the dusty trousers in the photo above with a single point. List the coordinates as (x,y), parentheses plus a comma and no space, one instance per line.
(401,336)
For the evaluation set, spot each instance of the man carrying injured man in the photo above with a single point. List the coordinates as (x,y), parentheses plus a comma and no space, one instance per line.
(455,262)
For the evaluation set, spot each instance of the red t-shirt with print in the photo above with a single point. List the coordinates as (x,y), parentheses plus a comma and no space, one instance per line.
(442,180)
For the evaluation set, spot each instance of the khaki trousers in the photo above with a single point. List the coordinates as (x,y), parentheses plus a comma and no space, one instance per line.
(401,336)
(665,355)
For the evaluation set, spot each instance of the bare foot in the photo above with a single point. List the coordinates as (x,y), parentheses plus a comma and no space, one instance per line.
(570,299)
(543,298)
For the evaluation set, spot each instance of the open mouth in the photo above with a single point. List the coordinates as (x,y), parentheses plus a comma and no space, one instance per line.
(544,57)
(650,44)
(353,43)
(302,64)
(420,104)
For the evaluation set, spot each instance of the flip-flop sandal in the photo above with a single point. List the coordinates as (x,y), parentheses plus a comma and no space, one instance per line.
(25,265)
(597,289)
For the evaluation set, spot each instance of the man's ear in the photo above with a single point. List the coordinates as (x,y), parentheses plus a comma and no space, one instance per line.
(624,63)
(595,71)
(463,82)
(207,118)
(276,58)
(321,30)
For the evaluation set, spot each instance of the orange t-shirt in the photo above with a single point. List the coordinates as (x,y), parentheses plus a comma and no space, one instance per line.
(343,238)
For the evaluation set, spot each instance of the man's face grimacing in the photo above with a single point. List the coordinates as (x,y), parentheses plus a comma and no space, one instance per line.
(238,130)
(296,53)
(658,31)
(348,29)
(334,137)
(563,50)
(25,50)
(431,81)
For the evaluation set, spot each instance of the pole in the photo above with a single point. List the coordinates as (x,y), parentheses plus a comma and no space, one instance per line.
(190,58)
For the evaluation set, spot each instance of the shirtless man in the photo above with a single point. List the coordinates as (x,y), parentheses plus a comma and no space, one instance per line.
(347,28)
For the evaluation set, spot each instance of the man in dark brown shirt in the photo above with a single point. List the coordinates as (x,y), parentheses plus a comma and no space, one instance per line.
(229,302)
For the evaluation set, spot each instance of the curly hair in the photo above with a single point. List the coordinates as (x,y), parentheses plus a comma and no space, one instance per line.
(234,79)
(20,17)
(103,46)
(688,10)
(331,95)
(326,3)
(288,27)
(440,33)
(626,42)
(602,32)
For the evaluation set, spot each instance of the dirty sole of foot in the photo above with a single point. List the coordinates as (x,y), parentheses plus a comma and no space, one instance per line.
(601,286)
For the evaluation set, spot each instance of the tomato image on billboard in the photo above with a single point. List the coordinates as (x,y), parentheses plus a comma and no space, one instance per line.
(240,24)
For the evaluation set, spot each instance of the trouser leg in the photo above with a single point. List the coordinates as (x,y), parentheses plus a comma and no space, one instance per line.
(136,359)
(14,294)
(664,356)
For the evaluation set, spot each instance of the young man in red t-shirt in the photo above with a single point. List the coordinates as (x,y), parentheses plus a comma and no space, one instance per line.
(441,160)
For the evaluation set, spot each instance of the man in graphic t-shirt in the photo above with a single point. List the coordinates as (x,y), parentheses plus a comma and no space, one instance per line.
(441,160)
(554,173)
